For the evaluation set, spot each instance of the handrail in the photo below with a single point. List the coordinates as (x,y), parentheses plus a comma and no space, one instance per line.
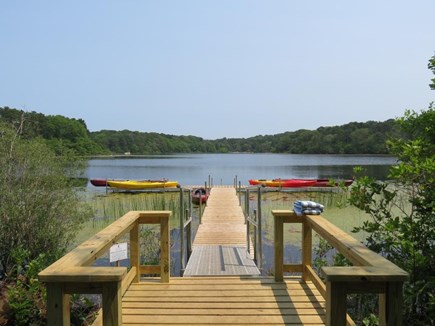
(185,228)
(73,274)
(254,220)
(372,273)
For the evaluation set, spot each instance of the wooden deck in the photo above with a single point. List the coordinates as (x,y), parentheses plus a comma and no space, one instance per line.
(219,247)
(129,298)
(223,301)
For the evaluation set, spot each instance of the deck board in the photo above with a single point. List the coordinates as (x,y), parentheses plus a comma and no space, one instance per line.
(223,301)
(219,247)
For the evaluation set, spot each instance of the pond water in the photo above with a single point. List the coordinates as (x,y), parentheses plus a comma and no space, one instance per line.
(194,169)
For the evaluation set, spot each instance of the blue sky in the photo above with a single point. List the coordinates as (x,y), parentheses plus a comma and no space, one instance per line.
(213,69)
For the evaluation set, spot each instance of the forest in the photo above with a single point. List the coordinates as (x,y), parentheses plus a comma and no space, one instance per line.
(65,134)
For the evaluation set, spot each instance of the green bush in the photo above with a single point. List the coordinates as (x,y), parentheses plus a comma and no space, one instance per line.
(27,296)
(40,214)
(39,210)
(402,213)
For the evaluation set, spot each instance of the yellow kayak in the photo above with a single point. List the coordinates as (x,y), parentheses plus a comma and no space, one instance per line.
(141,184)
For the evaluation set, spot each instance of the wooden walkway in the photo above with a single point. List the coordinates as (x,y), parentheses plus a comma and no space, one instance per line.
(129,299)
(219,247)
(223,301)
(221,284)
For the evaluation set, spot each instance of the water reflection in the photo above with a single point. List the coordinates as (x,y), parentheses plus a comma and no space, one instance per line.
(190,169)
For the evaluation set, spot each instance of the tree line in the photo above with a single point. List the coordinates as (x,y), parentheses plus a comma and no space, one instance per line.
(69,134)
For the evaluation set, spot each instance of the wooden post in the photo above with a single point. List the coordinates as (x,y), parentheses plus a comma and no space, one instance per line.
(189,227)
(135,251)
(58,305)
(188,235)
(259,231)
(248,243)
(200,204)
(182,262)
(391,305)
(112,304)
(240,193)
(279,248)
(335,304)
(246,204)
(255,237)
(306,249)
(165,259)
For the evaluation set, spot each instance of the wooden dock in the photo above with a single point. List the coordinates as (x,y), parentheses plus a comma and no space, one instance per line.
(129,297)
(223,301)
(219,247)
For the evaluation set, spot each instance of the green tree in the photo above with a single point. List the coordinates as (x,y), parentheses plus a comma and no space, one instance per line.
(431,66)
(402,227)
(39,209)
(40,214)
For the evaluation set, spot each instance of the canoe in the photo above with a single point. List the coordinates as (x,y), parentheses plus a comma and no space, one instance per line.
(98,182)
(295,183)
(199,195)
(141,184)
(285,183)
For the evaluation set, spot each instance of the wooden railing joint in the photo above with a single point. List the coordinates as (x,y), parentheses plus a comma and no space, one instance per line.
(72,273)
(372,273)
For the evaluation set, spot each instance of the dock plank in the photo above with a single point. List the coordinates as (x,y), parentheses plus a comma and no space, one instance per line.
(223,301)
(219,247)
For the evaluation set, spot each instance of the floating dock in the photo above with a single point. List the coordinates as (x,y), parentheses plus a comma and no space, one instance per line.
(220,247)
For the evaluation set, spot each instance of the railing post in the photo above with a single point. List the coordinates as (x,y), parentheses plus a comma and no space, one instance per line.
(248,243)
(279,248)
(240,193)
(112,304)
(307,248)
(182,263)
(391,305)
(188,235)
(255,237)
(259,232)
(135,251)
(165,259)
(246,204)
(58,305)
(189,227)
(335,304)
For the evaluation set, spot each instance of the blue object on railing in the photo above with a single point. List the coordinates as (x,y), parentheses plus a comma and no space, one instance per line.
(307,207)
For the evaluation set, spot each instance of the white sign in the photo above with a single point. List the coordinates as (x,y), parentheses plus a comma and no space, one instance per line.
(118,252)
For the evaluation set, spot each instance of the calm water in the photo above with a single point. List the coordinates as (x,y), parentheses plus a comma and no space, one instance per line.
(190,169)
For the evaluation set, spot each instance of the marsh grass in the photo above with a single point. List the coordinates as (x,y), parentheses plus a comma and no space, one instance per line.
(110,207)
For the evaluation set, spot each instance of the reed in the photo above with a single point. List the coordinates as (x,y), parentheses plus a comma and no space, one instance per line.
(107,208)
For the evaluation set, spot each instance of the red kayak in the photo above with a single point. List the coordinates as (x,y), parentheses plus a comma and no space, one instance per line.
(285,183)
(297,183)
(99,182)
(199,195)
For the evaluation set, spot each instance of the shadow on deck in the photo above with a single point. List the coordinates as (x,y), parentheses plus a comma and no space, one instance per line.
(223,301)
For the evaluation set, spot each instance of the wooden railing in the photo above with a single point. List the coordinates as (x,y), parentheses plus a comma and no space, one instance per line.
(370,273)
(73,273)
(254,221)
